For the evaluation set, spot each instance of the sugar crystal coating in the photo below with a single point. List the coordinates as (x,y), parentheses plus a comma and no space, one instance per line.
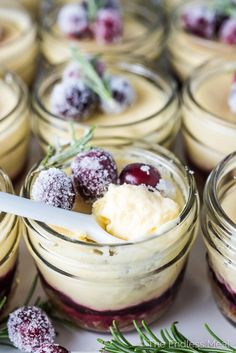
(72,20)
(72,99)
(29,328)
(108,27)
(228,31)
(54,188)
(122,92)
(93,171)
(199,20)
(51,348)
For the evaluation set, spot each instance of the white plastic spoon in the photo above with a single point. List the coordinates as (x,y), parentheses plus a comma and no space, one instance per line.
(41,212)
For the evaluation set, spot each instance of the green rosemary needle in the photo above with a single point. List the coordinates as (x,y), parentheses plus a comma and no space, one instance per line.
(56,158)
(169,341)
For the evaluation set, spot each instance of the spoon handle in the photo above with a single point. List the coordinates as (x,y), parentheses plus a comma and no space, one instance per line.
(38,211)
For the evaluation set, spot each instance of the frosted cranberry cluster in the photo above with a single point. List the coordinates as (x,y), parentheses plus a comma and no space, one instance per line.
(99,19)
(212,22)
(30,330)
(81,91)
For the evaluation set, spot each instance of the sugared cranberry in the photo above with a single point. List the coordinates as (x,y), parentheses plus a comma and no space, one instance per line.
(51,348)
(228,31)
(200,21)
(108,27)
(140,174)
(220,19)
(72,99)
(93,171)
(29,328)
(122,92)
(54,188)
(73,21)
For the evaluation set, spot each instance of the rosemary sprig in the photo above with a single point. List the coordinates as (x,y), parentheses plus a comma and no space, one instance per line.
(56,158)
(91,78)
(225,7)
(169,341)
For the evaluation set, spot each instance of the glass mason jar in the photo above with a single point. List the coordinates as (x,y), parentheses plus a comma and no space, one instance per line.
(93,284)
(159,127)
(144,34)
(209,127)
(19,45)
(14,123)
(188,51)
(10,232)
(219,232)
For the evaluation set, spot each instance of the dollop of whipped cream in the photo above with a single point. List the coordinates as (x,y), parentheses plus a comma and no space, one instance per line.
(232,97)
(133,212)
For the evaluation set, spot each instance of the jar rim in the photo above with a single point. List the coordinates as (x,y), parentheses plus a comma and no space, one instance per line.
(164,154)
(156,23)
(201,74)
(10,78)
(134,65)
(210,196)
(31,27)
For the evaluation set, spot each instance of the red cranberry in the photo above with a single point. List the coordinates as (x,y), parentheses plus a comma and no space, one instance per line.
(92,172)
(228,31)
(122,92)
(72,99)
(200,21)
(29,328)
(54,188)
(51,348)
(140,174)
(73,21)
(74,69)
(108,27)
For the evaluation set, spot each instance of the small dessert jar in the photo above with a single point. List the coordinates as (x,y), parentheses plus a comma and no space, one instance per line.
(18,40)
(188,51)
(209,126)
(94,284)
(154,115)
(10,232)
(14,123)
(144,35)
(219,232)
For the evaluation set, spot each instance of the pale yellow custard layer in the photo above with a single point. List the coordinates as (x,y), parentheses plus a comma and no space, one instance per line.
(224,265)
(209,123)
(18,44)
(14,128)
